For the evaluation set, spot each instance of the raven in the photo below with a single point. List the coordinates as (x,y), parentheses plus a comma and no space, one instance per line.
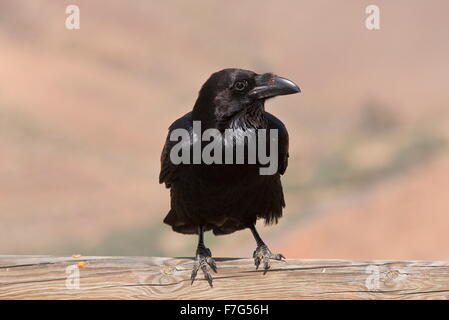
(225,197)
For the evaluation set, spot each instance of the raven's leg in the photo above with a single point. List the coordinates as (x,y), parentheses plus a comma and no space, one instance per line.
(203,259)
(262,253)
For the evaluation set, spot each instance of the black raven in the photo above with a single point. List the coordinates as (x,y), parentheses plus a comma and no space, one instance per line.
(226,197)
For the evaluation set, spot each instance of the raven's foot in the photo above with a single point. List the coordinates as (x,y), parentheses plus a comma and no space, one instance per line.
(263,255)
(202,261)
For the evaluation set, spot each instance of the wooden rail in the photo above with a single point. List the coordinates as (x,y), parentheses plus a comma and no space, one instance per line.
(48,277)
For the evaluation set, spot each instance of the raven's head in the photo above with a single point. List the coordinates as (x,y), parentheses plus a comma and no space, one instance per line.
(236,97)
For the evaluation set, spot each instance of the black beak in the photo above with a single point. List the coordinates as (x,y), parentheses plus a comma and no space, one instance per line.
(269,85)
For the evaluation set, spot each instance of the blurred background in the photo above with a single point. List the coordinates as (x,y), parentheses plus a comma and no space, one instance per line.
(84,114)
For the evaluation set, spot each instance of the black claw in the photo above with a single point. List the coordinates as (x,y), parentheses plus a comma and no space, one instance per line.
(263,254)
(208,277)
(211,263)
(193,276)
(266,264)
(278,256)
(256,260)
(203,260)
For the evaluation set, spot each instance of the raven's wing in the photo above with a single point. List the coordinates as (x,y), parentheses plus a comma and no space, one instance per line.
(275,123)
(169,171)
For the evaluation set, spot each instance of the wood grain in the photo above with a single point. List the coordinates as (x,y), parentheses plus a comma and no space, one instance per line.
(49,277)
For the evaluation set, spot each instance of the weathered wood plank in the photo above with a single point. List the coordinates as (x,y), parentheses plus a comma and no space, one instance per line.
(47,277)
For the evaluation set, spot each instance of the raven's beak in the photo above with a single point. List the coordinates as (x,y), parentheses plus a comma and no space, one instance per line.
(269,85)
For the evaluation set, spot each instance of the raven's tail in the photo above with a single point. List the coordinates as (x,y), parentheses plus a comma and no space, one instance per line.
(179,224)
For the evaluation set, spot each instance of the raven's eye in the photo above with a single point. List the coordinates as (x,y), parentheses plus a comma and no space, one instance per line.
(241,85)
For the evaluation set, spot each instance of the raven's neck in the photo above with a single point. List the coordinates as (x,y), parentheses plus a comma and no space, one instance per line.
(252,117)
